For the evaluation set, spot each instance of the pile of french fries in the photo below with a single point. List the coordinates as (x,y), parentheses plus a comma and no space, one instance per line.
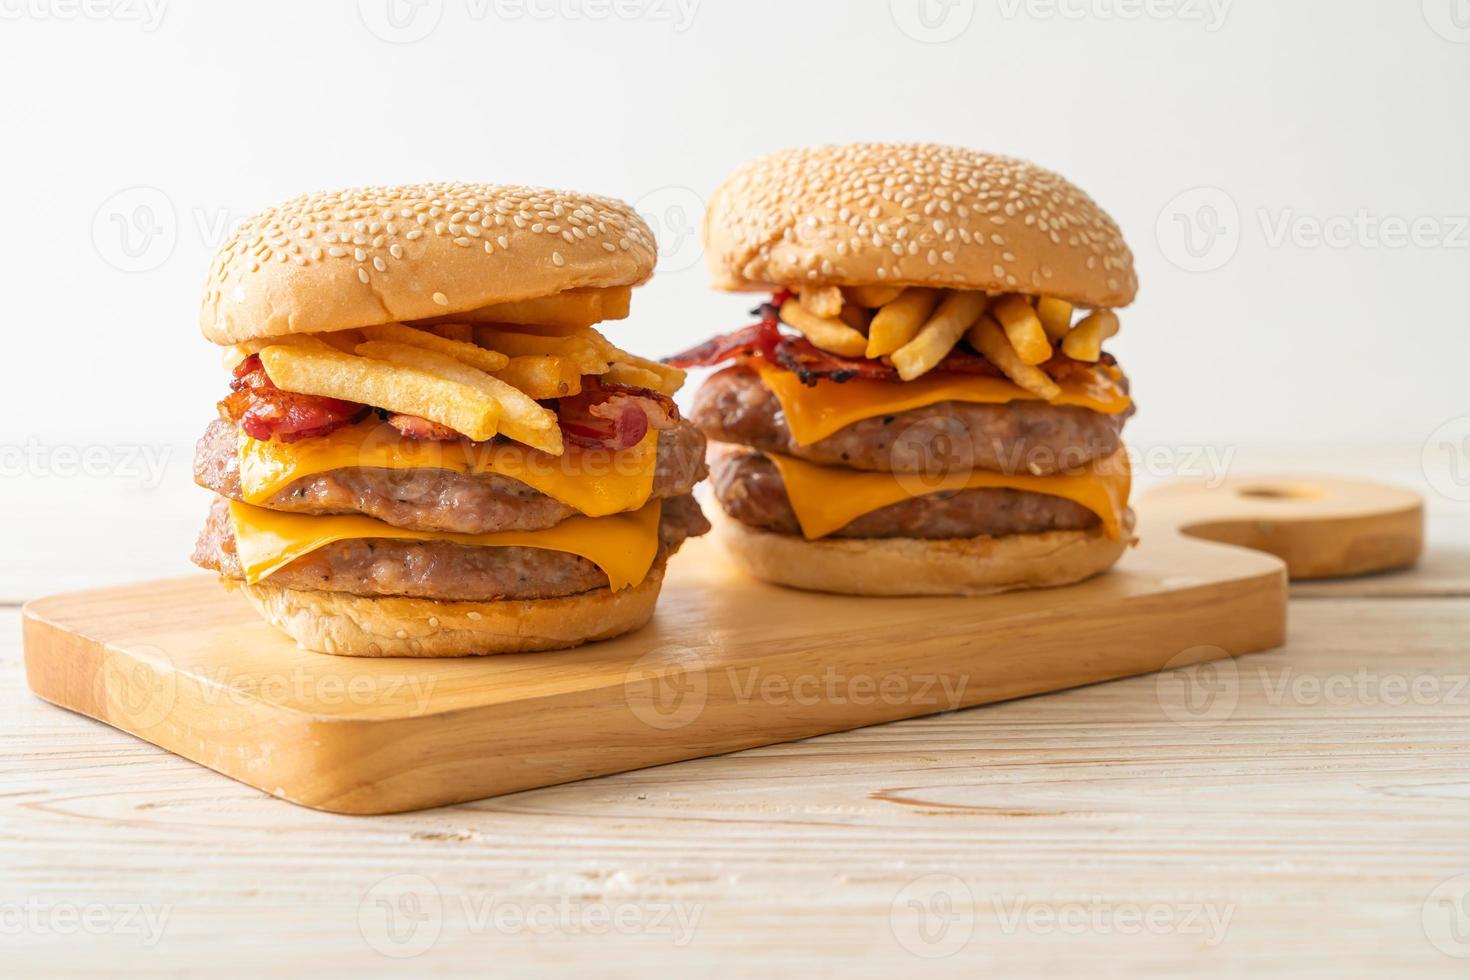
(915,327)
(480,373)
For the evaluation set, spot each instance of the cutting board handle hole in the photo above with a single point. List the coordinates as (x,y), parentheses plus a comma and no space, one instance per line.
(1281,491)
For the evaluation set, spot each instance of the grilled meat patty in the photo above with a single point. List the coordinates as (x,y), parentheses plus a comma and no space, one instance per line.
(749,488)
(1018,437)
(434,499)
(438,569)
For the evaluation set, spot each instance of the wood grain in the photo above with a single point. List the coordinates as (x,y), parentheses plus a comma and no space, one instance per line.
(728,663)
(1322,823)
(1323,527)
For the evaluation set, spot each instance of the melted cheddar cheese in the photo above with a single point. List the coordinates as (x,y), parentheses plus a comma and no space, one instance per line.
(622,545)
(813,413)
(827,498)
(592,482)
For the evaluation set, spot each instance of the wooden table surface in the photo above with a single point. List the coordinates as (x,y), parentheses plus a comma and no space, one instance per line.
(1301,811)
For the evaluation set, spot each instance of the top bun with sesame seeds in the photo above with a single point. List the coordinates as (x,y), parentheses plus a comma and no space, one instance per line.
(913,214)
(373,255)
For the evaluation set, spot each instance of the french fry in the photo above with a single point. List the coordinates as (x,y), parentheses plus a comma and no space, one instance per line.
(585,352)
(1023,327)
(671,379)
(940,333)
(871,296)
(520,417)
(332,374)
(561,312)
(899,320)
(823,301)
(466,353)
(542,375)
(629,374)
(830,335)
(1055,315)
(1084,342)
(989,339)
(233,355)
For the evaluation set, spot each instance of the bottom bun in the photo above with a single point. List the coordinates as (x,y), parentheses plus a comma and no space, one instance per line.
(919,566)
(396,626)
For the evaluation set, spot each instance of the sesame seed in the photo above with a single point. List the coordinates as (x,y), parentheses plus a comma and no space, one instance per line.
(361,225)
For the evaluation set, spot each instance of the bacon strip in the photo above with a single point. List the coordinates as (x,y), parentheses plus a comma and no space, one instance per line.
(606,415)
(758,338)
(265,412)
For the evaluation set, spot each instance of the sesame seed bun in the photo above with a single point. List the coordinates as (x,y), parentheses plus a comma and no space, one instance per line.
(399,626)
(913,214)
(923,567)
(374,255)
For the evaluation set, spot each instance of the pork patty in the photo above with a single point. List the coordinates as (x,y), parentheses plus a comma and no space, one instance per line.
(434,499)
(749,488)
(438,569)
(1017,437)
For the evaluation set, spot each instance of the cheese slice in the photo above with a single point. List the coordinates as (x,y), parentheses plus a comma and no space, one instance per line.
(622,545)
(594,482)
(826,498)
(814,413)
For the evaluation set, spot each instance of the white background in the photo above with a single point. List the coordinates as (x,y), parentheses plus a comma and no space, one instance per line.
(134,131)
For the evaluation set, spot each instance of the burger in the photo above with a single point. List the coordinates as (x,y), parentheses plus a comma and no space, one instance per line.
(428,448)
(924,406)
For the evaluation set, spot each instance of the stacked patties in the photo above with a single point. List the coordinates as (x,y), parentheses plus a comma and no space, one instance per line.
(925,407)
(428,448)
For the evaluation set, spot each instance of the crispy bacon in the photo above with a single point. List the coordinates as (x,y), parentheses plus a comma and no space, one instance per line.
(758,338)
(265,412)
(414,427)
(613,416)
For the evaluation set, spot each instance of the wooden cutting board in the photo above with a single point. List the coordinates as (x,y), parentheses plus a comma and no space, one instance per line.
(728,663)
